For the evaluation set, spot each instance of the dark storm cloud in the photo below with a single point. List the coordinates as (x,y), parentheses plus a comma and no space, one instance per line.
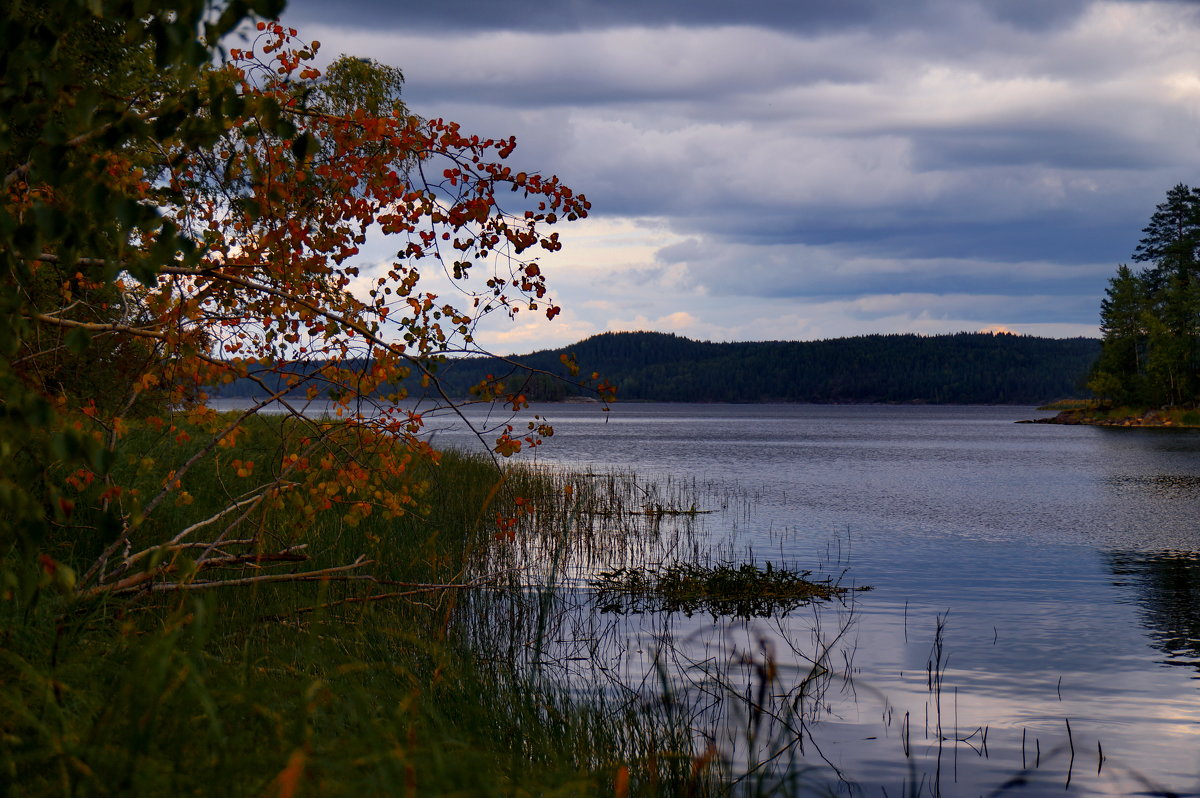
(1063,241)
(842,272)
(566,15)
(1064,146)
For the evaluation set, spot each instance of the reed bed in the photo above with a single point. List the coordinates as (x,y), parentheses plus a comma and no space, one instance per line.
(319,688)
(492,675)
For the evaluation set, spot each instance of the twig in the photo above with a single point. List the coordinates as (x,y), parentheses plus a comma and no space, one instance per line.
(336,573)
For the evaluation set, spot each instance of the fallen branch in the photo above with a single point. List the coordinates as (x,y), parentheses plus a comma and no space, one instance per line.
(145,583)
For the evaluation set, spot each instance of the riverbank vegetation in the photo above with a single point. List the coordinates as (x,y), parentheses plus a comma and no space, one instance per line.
(744,590)
(465,657)
(386,686)
(1106,414)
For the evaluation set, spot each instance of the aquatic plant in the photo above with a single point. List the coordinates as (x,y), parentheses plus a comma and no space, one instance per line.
(744,591)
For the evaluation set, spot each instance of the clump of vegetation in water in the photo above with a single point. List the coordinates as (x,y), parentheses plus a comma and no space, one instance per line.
(745,590)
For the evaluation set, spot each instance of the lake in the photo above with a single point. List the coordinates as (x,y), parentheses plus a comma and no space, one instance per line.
(1060,564)
(1033,622)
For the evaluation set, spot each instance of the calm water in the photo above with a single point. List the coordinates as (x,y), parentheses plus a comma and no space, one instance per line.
(1061,563)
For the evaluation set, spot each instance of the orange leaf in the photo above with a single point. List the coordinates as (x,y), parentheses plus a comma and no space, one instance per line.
(621,782)
(289,778)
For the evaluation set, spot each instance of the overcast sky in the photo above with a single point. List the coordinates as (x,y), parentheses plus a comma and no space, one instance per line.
(803,169)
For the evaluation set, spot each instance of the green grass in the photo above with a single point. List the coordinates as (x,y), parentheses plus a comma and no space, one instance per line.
(1072,404)
(1099,414)
(744,591)
(310,688)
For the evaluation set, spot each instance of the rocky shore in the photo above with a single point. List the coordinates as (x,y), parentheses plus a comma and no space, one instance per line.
(1149,418)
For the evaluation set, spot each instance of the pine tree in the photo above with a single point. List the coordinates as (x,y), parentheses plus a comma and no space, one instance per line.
(1151,320)
(1118,373)
(1172,238)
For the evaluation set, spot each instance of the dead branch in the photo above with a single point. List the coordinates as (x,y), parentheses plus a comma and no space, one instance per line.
(143,582)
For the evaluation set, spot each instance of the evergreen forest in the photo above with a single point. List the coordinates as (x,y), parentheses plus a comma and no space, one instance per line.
(1150,317)
(965,368)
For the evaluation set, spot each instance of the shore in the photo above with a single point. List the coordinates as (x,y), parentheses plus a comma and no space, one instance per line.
(1170,418)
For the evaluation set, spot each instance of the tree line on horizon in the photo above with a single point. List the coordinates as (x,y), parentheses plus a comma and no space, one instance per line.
(963,368)
(1150,317)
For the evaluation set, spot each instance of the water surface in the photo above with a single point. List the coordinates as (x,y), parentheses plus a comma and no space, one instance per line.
(1060,563)
(1033,626)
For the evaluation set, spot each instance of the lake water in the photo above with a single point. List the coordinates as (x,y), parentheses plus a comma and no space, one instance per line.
(1033,623)
(1060,563)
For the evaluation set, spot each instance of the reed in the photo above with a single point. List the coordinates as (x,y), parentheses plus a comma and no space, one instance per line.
(742,590)
(321,688)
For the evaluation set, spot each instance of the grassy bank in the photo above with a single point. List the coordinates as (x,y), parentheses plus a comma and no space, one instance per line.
(1100,414)
(308,688)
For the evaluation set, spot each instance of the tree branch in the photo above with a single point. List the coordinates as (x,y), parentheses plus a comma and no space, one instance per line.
(335,573)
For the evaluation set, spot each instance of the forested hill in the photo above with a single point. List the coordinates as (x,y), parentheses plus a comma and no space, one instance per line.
(967,368)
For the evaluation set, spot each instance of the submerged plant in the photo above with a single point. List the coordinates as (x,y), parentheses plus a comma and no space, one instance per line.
(744,590)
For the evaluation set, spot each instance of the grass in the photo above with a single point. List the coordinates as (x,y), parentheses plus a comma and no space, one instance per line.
(295,689)
(1096,413)
(743,591)
(1072,404)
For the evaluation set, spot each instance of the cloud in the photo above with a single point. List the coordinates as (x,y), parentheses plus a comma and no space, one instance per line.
(805,15)
(819,152)
(791,270)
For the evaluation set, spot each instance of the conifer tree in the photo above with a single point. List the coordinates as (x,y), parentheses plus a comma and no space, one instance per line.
(1119,372)
(1151,319)
(1171,240)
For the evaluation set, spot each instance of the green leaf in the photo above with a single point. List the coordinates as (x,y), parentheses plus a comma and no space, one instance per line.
(78,340)
(103,460)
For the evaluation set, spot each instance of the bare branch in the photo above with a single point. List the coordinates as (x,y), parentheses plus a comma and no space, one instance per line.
(143,583)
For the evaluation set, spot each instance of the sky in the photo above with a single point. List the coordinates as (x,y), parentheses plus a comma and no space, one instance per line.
(809,169)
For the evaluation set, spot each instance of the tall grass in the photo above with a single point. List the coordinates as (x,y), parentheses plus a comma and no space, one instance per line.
(490,668)
(312,689)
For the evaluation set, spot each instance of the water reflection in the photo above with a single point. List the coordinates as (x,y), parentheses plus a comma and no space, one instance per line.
(862,695)
(1168,584)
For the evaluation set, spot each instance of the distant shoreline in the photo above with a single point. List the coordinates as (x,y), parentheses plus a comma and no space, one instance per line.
(588,400)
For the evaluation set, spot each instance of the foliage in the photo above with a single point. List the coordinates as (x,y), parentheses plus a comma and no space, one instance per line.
(249,689)
(1171,239)
(78,104)
(171,223)
(967,368)
(745,591)
(1150,319)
